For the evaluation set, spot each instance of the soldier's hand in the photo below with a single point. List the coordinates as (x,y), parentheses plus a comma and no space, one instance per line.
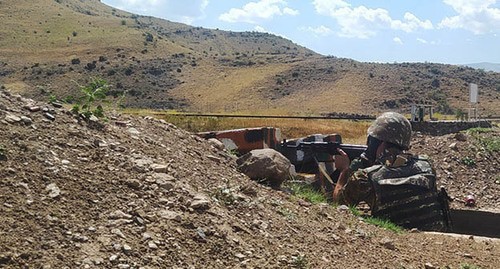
(342,161)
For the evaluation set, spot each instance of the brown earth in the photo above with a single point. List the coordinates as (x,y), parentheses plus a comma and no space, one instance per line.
(138,192)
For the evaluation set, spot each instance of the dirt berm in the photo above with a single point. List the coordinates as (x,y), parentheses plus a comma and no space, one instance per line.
(141,193)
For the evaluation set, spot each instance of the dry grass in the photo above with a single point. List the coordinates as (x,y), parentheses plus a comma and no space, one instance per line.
(353,132)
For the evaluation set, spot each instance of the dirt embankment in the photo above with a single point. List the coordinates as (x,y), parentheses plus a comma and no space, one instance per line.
(141,193)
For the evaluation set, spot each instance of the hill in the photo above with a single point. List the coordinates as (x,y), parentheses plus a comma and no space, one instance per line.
(49,47)
(142,193)
(486,66)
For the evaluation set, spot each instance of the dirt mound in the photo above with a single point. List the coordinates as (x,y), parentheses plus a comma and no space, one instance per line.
(466,163)
(141,193)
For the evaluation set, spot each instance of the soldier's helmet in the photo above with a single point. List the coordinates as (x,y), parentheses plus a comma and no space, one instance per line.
(392,127)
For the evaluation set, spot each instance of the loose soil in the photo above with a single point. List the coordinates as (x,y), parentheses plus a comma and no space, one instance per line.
(138,192)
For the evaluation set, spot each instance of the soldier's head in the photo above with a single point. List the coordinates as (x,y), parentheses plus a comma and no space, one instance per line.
(393,128)
(389,133)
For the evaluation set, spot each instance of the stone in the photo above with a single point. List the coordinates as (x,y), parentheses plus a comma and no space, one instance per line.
(26,120)
(429,265)
(159,168)
(387,243)
(12,118)
(214,158)
(152,245)
(343,208)
(169,215)
(460,137)
(133,184)
(118,214)
(126,248)
(453,146)
(216,143)
(56,104)
(200,202)
(265,164)
(118,232)
(53,190)
(163,179)
(133,131)
(49,116)
(33,108)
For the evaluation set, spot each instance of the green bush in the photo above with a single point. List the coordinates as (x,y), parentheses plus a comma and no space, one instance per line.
(93,98)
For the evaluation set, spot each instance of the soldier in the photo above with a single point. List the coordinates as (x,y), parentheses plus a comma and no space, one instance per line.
(396,185)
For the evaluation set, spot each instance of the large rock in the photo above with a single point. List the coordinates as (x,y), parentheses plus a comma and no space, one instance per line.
(265,165)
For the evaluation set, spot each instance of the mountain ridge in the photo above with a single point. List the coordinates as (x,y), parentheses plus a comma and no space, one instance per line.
(160,64)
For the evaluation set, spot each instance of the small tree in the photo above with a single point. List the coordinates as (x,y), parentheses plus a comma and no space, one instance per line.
(94,96)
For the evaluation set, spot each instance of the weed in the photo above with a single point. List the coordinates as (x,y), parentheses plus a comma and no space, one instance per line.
(478,130)
(385,224)
(469,266)
(307,193)
(300,262)
(225,196)
(3,157)
(94,96)
(52,98)
(285,212)
(488,144)
(468,161)
(355,211)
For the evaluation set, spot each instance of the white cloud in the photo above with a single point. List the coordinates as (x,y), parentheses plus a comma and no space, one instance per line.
(398,40)
(363,22)
(261,29)
(182,11)
(477,16)
(423,41)
(254,12)
(319,31)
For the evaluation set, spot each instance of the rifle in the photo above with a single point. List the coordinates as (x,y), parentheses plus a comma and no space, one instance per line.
(321,148)
(306,156)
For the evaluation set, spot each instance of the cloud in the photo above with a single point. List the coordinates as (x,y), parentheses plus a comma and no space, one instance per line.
(477,16)
(254,12)
(398,40)
(363,22)
(424,41)
(421,40)
(319,31)
(261,29)
(182,11)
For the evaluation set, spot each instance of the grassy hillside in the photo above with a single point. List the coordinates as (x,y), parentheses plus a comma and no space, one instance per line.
(52,46)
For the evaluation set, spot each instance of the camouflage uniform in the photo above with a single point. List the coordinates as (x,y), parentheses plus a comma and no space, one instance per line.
(401,188)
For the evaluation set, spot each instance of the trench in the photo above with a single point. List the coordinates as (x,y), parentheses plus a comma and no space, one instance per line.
(475,222)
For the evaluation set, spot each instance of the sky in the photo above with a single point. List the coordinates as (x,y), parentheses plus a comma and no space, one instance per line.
(387,31)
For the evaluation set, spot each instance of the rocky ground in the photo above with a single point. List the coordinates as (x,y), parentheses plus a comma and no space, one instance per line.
(466,164)
(141,193)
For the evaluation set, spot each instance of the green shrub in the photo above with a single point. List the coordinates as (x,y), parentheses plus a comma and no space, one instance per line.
(93,98)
